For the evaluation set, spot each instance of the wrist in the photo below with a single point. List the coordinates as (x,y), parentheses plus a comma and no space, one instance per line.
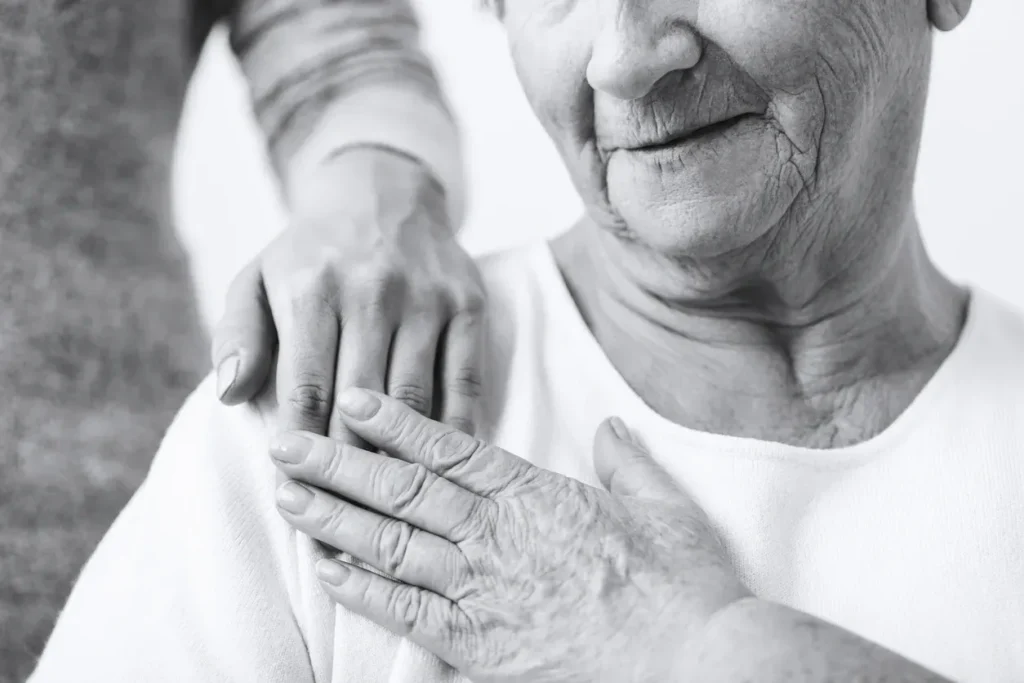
(383,190)
(374,128)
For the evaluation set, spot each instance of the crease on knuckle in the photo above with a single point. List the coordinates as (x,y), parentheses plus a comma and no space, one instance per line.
(466,382)
(472,300)
(478,523)
(409,431)
(413,395)
(451,450)
(409,489)
(311,293)
(376,290)
(392,543)
(332,465)
(309,397)
(332,519)
(405,605)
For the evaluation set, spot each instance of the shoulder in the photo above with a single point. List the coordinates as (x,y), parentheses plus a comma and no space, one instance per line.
(219,441)
(505,272)
(984,380)
(513,284)
(993,339)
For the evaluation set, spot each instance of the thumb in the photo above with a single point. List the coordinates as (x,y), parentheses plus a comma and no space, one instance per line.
(946,15)
(243,340)
(625,467)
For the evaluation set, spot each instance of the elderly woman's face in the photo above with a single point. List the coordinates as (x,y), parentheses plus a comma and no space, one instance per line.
(701,123)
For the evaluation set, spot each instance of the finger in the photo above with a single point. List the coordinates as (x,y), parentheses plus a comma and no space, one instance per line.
(243,340)
(625,467)
(409,554)
(429,620)
(394,427)
(362,360)
(306,363)
(461,371)
(411,368)
(392,487)
(946,15)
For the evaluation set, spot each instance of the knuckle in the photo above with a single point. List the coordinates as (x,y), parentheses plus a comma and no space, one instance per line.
(407,430)
(466,382)
(405,605)
(392,544)
(433,296)
(309,397)
(376,288)
(368,307)
(473,302)
(331,520)
(479,523)
(311,289)
(452,449)
(413,395)
(332,465)
(408,489)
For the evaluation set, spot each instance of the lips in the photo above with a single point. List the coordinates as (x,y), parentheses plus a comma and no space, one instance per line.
(693,134)
(684,107)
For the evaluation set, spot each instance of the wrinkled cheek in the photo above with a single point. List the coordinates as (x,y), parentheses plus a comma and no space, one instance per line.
(587,166)
(554,81)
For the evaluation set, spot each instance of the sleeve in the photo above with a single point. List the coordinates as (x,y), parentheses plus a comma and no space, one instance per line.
(329,74)
(197,579)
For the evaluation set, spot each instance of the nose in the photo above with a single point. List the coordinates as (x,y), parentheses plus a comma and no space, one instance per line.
(638,44)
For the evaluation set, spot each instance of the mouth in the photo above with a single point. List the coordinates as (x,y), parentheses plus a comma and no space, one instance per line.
(697,134)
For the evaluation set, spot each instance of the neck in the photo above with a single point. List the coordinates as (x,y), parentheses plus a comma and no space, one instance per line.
(776,354)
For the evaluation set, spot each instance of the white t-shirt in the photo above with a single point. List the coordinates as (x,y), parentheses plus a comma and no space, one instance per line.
(913,539)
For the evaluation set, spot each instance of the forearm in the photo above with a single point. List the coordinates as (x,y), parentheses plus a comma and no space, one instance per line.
(326,75)
(763,641)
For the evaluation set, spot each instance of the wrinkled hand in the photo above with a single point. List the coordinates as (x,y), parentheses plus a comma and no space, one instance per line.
(507,571)
(367,288)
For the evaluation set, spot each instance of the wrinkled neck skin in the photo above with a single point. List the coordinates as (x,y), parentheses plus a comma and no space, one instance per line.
(818,335)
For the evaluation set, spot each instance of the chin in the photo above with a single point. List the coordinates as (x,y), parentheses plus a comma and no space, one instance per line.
(701,200)
(683,223)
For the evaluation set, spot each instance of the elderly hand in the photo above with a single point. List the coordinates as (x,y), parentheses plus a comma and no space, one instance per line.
(507,571)
(366,288)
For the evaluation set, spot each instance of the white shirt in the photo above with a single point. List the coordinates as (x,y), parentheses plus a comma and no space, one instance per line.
(913,539)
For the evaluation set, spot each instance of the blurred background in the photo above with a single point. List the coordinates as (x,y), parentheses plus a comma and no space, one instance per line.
(970,190)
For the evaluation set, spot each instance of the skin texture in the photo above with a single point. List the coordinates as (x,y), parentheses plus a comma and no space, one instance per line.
(512,573)
(508,554)
(773,268)
(367,288)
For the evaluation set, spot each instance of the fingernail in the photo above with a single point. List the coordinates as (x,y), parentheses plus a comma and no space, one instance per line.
(227,373)
(620,429)
(294,497)
(332,572)
(290,448)
(358,404)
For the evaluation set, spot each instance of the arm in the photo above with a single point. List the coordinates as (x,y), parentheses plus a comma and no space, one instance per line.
(369,162)
(758,640)
(327,75)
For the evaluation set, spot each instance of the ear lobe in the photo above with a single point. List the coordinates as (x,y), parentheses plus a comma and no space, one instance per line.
(946,15)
